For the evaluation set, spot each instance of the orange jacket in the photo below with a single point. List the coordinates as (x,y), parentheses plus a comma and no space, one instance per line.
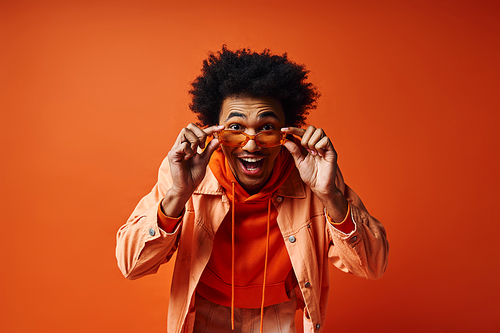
(310,241)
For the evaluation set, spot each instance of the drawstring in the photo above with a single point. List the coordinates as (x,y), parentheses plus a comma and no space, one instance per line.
(265,268)
(232,261)
(265,264)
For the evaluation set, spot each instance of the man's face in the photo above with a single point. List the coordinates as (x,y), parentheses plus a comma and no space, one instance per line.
(251,165)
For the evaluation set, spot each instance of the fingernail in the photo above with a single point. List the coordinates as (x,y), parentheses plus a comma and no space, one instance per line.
(284,128)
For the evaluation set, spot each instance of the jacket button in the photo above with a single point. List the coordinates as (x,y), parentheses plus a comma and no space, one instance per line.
(152,232)
(279,199)
(292,239)
(352,240)
(307,284)
(318,326)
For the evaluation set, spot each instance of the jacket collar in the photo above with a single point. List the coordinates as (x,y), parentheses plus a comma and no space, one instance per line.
(293,187)
(209,185)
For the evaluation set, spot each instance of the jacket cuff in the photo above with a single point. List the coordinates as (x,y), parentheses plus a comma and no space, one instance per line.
(167,223)
(347,225)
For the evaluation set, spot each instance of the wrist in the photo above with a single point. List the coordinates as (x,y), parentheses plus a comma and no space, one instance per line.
(332,195)
(173,203)
(181,194)
(336,205)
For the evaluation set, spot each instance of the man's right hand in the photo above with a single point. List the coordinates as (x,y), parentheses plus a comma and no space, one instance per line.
(188,166)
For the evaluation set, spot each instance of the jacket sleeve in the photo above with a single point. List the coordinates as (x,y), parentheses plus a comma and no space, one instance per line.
(141,245)
(364,251)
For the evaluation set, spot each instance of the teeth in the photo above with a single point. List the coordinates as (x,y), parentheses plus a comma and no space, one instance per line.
(252,160)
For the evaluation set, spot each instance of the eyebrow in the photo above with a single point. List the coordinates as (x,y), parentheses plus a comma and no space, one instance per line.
(261,115)
(268,114)
(235,114)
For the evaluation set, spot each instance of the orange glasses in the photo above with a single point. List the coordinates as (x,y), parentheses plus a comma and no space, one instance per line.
(264,139)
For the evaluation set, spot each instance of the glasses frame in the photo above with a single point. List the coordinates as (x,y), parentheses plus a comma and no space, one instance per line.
(250,137)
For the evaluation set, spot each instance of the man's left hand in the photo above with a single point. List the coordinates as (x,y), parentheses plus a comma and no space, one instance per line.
(316,161)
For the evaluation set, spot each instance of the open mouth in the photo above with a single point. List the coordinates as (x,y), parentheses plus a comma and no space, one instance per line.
(252,165)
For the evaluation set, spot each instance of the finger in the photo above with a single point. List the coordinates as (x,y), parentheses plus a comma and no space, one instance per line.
(212,129)
(202,134)
(294,130)
(211,147)
(199,133)
(322,145)
(307,137)
(182,136)
(187,150)
(181,152)
(191,138)
(315,137)
(294,150)
(299,132)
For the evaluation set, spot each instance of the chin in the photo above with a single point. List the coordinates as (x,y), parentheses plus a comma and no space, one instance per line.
(253,186)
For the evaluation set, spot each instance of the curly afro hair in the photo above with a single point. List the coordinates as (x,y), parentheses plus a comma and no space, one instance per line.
(243,72)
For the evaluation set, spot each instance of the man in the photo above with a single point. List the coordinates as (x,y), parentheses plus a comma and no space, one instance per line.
(256,212)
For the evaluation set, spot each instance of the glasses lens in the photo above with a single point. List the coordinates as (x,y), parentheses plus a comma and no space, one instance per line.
(269,138)
(237,138)
(232,138)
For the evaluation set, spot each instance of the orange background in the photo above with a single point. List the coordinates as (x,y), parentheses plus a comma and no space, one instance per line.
(93,93)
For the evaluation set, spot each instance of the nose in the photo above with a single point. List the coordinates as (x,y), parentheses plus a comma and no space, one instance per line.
(251,146)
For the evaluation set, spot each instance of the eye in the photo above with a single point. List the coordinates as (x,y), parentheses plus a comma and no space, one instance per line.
(235,127)
(268,127)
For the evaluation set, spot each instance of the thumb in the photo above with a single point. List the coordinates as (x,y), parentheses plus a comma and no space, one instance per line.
(209,150)
(294,150)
